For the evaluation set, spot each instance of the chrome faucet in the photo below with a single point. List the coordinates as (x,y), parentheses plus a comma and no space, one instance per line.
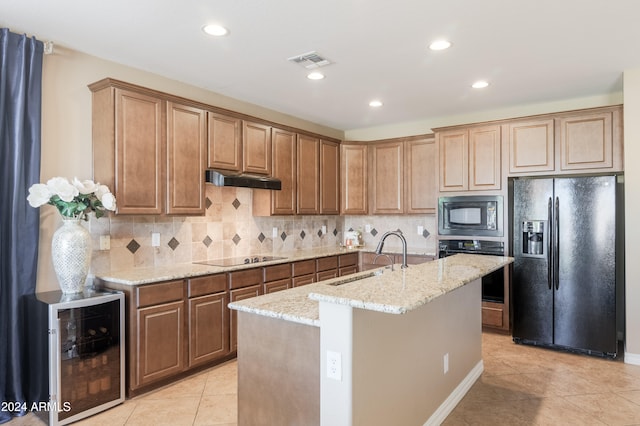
(398,234)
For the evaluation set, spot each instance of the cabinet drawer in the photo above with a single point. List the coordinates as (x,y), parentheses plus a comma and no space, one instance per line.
(327,275)
(492,316)
(240,279)
(207,285)
(303,267)
(156,294)
(350,259)
(347,270)
(326,263)
(277,272)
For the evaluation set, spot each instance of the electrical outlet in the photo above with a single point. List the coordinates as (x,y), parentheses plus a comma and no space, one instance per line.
(275,232)
(155,239)
(324,229)
(334,365)
(367,228)
(420,229)
(446,363)
(105,242)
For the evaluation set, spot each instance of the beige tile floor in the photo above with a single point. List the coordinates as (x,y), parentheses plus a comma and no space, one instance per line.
(521,385)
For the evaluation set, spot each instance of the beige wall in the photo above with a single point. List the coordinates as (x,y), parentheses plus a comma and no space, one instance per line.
(632,210)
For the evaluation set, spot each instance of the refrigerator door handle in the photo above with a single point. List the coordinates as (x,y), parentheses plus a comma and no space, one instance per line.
(549,237)
(556,244)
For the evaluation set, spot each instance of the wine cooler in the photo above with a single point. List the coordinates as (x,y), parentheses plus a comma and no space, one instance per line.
(76,354)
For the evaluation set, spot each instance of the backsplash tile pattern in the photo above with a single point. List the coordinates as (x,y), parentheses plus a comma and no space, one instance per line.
(228,229)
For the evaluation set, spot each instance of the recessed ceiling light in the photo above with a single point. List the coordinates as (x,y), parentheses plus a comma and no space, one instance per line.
(440,45)
(375,103)
(215,30)
(315,76)
(480,84)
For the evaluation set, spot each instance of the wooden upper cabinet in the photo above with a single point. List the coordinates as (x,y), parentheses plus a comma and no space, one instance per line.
(186,133)
(531,146)
(470,159)
(284,159)
(387,190)
(454,160)
(420,176)
(329,177)
(353,179)
(485,163)
(224,142)
(129,148)
(308,175)
(586,141)
(256,148)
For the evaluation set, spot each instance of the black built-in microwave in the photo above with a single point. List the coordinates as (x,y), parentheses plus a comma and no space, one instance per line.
(471,215)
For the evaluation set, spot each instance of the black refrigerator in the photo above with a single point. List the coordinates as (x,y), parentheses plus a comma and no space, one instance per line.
(566,250)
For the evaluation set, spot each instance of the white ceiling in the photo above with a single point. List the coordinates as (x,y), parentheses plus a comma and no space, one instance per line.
(530,51)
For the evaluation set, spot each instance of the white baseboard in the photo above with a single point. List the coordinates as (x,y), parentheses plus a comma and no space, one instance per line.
(456,396)
(630,358)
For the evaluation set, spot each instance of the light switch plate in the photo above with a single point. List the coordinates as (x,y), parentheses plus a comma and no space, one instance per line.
(420,229)
(155,239)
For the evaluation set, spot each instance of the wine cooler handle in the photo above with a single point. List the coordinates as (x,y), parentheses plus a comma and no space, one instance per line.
(549,245)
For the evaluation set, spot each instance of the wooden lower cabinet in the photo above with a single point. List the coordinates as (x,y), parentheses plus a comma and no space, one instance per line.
(236,295)
(303,272)
(208,328)
(276,278)
(160,342)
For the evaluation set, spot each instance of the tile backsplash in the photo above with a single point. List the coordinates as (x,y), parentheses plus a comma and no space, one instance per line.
(229,229)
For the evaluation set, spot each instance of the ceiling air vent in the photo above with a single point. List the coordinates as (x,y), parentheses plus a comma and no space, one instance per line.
(310,60)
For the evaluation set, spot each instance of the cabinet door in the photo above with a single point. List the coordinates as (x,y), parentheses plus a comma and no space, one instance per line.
(329,177)
(236,295)
(303,280)
(454,161)
(347,270)
(531,146)
(420,178)
(160,342)
(224,142)
(279,285)
(586,141)
(308,174)
(353,179)
(284,168)
(256,148)
(484,158)
(139,145)
(208,328)
(387,179)
(186,133)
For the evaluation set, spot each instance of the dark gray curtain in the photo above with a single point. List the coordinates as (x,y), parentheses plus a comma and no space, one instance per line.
(20,111)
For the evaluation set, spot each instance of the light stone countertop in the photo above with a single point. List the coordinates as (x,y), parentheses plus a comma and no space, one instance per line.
(141,276)
(394,292)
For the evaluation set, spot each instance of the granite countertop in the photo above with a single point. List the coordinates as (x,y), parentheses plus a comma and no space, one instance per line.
(394,292)
(140,276)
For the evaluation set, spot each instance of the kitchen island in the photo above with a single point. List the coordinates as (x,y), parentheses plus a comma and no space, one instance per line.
(374,348)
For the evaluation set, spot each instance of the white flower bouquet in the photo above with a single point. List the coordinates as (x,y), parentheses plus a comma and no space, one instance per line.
(73,199)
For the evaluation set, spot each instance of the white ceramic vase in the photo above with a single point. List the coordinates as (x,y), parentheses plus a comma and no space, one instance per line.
(71,255)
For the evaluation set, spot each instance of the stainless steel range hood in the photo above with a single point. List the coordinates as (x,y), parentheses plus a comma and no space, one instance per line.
(226,178)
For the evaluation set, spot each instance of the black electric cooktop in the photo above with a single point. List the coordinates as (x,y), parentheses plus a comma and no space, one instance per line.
(243,260)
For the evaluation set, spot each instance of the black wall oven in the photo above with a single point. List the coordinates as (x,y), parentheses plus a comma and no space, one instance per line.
(493,283)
